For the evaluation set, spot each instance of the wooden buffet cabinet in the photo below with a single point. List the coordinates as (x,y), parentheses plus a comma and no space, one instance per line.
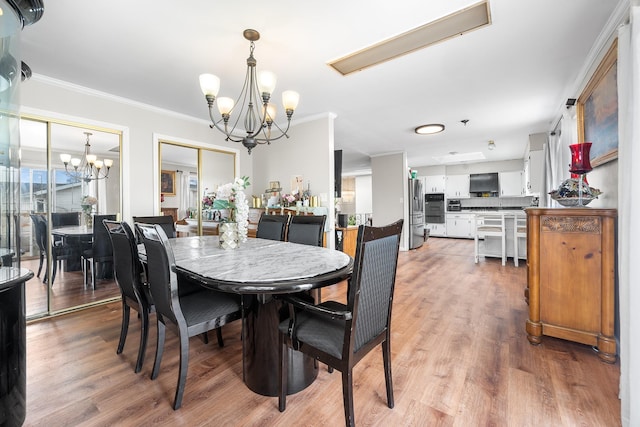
(571,276)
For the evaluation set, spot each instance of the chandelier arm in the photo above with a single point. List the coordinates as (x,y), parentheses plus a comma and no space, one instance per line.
(283,133)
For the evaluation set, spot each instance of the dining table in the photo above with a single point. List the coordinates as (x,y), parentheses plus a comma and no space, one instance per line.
(260,270)
(76,238)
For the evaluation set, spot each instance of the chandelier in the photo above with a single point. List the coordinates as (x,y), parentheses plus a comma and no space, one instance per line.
(89,168)
(258,112)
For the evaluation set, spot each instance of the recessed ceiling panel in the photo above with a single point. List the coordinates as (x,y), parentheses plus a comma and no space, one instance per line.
(456,24)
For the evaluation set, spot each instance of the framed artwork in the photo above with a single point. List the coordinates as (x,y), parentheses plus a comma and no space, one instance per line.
(168,183)
(598,110)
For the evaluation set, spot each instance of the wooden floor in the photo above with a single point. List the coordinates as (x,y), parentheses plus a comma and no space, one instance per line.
(460,357)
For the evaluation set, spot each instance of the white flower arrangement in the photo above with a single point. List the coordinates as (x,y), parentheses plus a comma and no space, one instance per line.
(231,196)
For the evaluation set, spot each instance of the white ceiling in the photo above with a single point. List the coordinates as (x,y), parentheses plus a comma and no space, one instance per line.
(508,79)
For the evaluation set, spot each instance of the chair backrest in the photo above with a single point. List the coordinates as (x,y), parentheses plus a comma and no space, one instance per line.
(520,224)
(490,224)
(372,284)
(63,219)
(163,282)
(165,221)
(101,244)
(306,229)
(40,227)
(272,227)
(126,262)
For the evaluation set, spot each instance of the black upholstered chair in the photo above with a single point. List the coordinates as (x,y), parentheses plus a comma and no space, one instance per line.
(64,219)
(59,252)
(307,230)
(100,254)
(129,276)
(272,227)
(187,315)
(341,335)
(165,221)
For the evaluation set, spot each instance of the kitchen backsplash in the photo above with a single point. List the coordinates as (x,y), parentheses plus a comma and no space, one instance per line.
(498,202)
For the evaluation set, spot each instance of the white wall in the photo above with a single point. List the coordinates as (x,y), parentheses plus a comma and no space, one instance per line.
(364,194)
(389,185)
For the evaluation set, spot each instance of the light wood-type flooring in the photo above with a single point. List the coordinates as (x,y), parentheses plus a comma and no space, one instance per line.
(460,357)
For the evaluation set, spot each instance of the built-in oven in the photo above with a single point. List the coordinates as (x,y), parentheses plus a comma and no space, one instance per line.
(434,208)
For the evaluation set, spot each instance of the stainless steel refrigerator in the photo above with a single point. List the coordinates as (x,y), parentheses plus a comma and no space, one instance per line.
(416,214)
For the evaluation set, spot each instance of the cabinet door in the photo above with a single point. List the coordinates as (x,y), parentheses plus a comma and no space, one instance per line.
(457,186)
(434,184)
(460,225)
(534,173)
(437,230)
(511,184)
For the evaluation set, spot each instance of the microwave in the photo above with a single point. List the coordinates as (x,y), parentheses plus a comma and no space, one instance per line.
(453,205)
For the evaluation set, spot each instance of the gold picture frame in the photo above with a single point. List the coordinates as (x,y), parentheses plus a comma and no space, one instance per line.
(168,183)
(597,110)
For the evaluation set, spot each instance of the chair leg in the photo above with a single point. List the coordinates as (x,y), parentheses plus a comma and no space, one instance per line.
(40,266)
(347,397)
(282,378)
(124,327)
(159,349)
(53,273)
(515,248)
(184,365)
(386,358)
(144,335)
(476,242)
(219,335)
(504,249)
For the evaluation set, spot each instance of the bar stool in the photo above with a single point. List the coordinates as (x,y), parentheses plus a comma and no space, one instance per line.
(519,232)
(490,225)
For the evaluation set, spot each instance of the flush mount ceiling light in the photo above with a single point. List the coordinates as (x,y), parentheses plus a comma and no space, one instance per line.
(455,24)
(429,129)
(491,145)
(258,112)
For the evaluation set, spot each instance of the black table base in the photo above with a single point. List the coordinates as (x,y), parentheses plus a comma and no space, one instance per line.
(260,349)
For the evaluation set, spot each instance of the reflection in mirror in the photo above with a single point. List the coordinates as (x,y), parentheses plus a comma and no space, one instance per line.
(194,185)
(64,201)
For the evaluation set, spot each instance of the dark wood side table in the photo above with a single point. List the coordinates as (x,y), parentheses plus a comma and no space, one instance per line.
(571,257)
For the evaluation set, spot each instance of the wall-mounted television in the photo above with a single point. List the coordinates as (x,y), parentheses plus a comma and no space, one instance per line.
(483,183)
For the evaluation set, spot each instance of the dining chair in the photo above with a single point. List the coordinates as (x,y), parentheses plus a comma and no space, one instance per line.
(186,315)
(64,219)
(130,279)
(340,335)
(59,251)
(307,230)
(490,225)
(519,232)
(100,253)
(165,221)
(272,227)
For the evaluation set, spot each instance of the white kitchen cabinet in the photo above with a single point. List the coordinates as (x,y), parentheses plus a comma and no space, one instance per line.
(460,225)
(434,184)
(457,186)
(534,169)
(437,230)
(511,184)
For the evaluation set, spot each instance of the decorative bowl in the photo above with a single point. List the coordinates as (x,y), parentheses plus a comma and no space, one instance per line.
(570,202)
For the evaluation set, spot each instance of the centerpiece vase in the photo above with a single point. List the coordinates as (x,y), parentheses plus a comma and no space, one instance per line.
(228,235)
(580,165)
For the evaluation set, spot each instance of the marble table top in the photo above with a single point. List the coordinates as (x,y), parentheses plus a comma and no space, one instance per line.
(73,230)
(259,265)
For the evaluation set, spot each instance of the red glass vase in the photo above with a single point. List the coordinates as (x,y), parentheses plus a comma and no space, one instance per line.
(580,158)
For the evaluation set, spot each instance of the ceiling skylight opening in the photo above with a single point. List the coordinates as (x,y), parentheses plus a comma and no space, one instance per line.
(456,24)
